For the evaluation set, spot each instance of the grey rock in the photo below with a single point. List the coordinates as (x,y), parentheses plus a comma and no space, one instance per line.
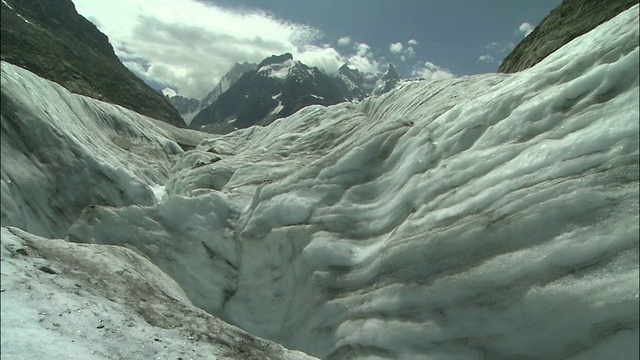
(569,20)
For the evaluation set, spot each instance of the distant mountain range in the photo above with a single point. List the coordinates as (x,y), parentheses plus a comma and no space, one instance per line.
(252,94)
(189,107)
(50,38)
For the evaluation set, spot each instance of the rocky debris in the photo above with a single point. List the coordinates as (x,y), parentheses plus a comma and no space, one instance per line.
(109,302)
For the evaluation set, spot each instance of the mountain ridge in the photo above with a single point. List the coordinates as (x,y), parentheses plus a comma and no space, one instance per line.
(564,23)
(52,40)
(279,86)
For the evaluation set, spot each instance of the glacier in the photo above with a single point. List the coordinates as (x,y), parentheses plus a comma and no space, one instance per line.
(484,217)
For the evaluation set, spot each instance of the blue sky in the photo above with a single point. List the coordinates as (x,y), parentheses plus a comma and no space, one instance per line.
(188,45)
(452,34)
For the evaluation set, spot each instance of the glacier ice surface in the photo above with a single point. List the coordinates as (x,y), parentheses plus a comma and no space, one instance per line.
(489,216)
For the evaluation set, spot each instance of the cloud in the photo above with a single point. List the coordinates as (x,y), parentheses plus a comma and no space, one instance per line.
(188,46)
(403,52)
(494,51)
(431,71)
(363,59)
(365,64)
(325,57)
(494,46)
(486,58)
(396,48)
(498,48)
(361,48)
(525,28)
(344,41)
(183,48)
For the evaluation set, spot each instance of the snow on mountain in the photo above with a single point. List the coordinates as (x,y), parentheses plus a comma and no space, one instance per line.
(276,88)
(278,83)
(390,81)
(189,107)
(278,71)
(224,84)
(489,216)
(354,85)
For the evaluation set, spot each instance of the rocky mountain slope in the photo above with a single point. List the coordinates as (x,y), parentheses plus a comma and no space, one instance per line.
(49,38)
(390,80)
(189,107)
(564,23)
(278,87)
(186,107)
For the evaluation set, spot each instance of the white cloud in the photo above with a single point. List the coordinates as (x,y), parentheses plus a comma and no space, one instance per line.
(498,48)
(431,71)
(525,28)
(494,46)
(344,41)
(365,64)
(495,51)
(326,58)
(189,47)
(363,59)
(396,48)
(403,52)
(361,49)
(486,58)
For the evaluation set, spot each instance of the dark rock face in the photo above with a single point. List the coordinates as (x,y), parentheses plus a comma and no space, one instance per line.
(275,59)
(391,79)
(351,83)
(226,82)
(50,39)
(277,88)
(566,22)
(183,104)
(280,86)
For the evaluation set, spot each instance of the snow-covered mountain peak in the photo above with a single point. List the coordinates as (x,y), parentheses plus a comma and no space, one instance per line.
(353,75)
(275,59)
(279,70)
(278,87)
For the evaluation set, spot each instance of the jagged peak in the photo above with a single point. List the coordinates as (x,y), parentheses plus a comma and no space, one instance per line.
(391,73)
(275,59)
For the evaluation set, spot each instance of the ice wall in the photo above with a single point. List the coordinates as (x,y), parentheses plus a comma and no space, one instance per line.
(492,216)
(62,152)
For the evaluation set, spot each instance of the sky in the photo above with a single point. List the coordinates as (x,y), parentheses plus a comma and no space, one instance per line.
(188,45)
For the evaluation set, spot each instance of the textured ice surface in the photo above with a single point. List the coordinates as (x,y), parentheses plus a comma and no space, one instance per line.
(484,217)
(62,300)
